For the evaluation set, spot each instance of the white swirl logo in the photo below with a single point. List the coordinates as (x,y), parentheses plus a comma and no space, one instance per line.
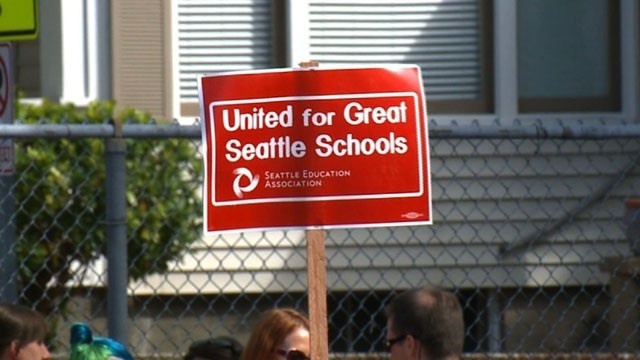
(242,173)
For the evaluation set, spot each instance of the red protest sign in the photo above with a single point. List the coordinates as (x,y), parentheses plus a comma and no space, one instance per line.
(315,148)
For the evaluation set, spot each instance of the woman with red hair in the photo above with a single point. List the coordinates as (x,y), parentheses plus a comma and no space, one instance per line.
(280,334)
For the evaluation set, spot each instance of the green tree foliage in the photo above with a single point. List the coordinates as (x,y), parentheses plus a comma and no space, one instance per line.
(61,201)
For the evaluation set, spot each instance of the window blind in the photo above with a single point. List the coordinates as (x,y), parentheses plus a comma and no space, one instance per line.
(220,35)
(442,37)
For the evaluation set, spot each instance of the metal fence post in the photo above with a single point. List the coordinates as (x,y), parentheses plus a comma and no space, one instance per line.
(117,273)
(8,251)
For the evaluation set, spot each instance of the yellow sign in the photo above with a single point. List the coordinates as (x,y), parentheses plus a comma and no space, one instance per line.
(18,20)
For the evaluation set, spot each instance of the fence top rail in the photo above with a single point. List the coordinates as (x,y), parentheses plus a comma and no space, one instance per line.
(22,131)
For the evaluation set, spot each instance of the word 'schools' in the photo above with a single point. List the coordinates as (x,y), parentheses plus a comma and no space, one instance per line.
(315,148)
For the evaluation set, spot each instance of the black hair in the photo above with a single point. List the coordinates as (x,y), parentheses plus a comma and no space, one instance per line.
(219,348)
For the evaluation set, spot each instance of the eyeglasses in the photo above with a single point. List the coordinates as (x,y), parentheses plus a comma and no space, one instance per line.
(389,343)
(293,354)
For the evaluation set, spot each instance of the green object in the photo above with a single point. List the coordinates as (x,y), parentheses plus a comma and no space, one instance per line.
(60,189)
(89,352)
(85,346)
(18,20)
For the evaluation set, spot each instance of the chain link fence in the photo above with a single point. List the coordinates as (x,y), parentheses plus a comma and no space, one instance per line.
(531,229)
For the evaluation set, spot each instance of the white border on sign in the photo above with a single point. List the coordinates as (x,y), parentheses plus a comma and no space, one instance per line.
(418,121)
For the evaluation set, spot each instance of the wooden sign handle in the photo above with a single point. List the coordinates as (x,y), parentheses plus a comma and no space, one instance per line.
(317,282)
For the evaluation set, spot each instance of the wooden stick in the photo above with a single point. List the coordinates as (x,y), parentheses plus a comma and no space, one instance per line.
(317,282)
(309,64)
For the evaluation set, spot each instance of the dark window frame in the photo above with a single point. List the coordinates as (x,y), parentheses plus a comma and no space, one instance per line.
(611,102)
(482,105)
(485,104)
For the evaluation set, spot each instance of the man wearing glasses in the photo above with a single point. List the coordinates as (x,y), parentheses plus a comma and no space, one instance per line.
(425,324)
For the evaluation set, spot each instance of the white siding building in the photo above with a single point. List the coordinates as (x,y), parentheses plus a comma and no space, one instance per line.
(518,215)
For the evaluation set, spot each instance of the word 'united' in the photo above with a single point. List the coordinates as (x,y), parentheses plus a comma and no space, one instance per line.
(353,113)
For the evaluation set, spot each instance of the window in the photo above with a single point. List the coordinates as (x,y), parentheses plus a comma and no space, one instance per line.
(216,36)
(450,41)
(568,55)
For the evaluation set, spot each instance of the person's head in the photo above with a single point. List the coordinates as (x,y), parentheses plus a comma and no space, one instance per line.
(220,348)
(425,322)
(23,335)
(278,333)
